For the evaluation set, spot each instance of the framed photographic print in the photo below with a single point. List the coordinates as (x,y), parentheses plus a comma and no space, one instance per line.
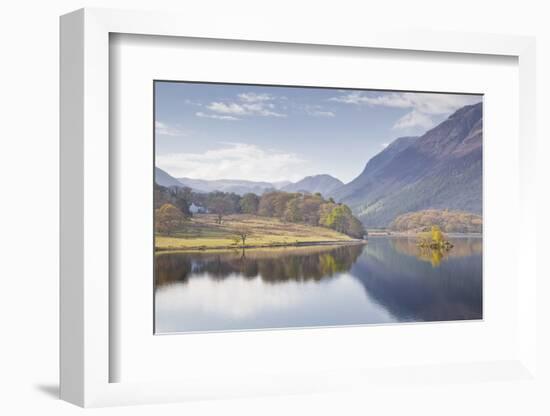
(305,204)
(279,206)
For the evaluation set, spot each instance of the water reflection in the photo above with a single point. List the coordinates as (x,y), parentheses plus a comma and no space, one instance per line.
(388,280)
(411,289)
(463,247)
(271,265)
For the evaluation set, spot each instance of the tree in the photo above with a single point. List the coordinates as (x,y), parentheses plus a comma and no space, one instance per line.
(310,208)
(273,204)
(168,218)
(437,235)
(324,212)
(182,198)
(337,218)
(341,219)
(355,228)
(222,204)
(249,203)
(241,234)
(292,211)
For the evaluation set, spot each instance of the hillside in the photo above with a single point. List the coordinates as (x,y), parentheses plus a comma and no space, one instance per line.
(440,170)
(204,232)
(448,221)
(164,179)
(324,184)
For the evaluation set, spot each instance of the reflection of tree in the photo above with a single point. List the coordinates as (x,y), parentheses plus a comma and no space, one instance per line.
(434,256)
(412,290)
(273,265)
(462,247)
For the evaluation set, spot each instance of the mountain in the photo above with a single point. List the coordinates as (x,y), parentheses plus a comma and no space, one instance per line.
(374,165)
(309,184)
(325,184)
(164,179)
(240,187)
(440,170)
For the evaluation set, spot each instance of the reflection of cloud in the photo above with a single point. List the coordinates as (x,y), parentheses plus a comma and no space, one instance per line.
(421,105)
(203,303)
(235,160)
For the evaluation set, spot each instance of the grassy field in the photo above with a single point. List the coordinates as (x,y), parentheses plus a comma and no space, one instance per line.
(202,232)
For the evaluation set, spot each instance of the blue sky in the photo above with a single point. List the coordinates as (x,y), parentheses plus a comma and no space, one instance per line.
(227,131)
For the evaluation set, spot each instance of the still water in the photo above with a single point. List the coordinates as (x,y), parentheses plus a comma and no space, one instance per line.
(387,280)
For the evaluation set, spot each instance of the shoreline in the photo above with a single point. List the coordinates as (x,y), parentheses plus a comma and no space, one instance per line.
(256,246)
(415,235)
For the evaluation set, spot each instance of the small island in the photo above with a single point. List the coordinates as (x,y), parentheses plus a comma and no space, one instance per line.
(434,239)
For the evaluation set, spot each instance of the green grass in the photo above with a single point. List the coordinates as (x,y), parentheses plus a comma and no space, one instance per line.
(202,232)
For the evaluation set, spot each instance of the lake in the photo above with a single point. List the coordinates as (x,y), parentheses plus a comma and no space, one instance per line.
(388,280)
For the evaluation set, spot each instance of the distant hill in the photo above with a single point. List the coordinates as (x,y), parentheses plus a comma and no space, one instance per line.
(324,184)
(440,170)
(164,179)
(310,184)
(236,186)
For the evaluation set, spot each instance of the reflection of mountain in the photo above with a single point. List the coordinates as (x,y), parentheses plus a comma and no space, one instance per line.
(416,291)
(272,265)
(441,169)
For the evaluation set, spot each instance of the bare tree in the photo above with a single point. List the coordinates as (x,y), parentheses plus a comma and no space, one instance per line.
(241,234)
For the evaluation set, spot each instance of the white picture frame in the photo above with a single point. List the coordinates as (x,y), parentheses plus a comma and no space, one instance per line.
(85,209)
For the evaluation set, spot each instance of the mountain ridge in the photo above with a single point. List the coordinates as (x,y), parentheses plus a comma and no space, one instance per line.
(440,169)
(322,183)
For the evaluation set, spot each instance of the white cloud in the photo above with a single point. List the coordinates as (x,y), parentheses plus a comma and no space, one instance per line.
(163,129)
(191,102)
(247,104)
(251,97)
(422,105)
(414,119)
(422,102)
(234,160)
(216,116)
(384,145)
(245,109)
(318,111)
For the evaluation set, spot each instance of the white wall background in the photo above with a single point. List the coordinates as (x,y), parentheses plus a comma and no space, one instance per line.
(29,56)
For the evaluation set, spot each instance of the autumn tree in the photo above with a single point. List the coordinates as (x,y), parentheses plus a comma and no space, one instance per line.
(310,208)
(273,204)
(341,219)
(437,235)
(249,203)
(293,212)
(168,218)
(222,204)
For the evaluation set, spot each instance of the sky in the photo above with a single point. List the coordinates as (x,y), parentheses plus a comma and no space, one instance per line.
(272,133)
